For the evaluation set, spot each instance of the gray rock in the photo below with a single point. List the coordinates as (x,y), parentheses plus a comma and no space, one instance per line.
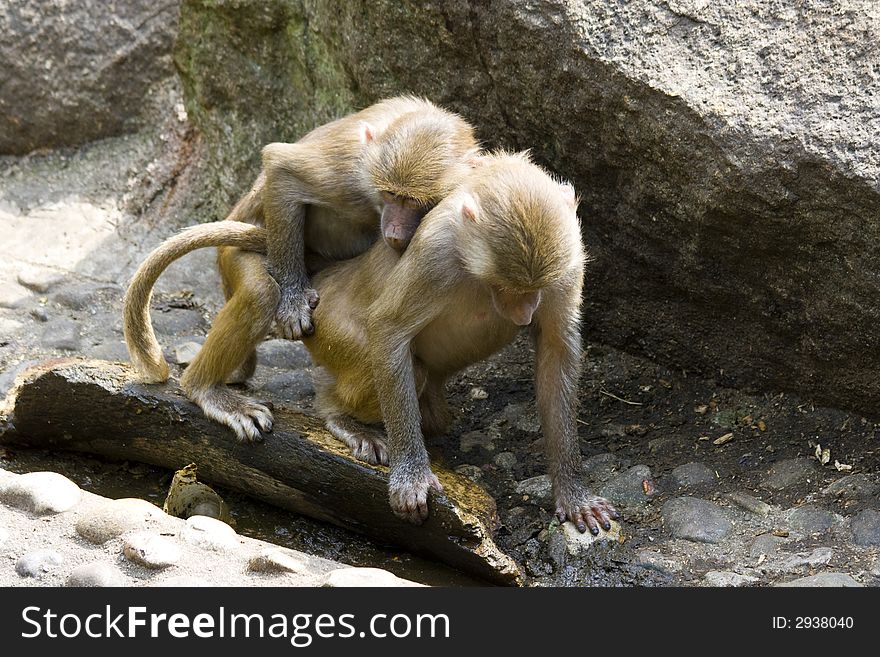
(151,550)
(523,416)
(853,487)
(505,460)
(577,544)
(12,295)
(697,520)
(693,474)
(789,472)
(284,354)
(811,521)
(42,493)
(726,578)
(472,472)
(358,577)
(76,72)
(818,557)
(113,350)
(628,488)
(472,439)
(539,490)
(7,378)
(39,313)
(601,466)
(655,561)
(38,563)
(823,580)
(185,352)
(866,528)
(116,517)
(750,503)
(209,533)
(84,295)
(61,334)
(278,560)
(95,574)
(38,279)
(178,321)
(766,544)
(290,386)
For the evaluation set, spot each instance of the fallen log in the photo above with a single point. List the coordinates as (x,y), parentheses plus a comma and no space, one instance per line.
(97,407)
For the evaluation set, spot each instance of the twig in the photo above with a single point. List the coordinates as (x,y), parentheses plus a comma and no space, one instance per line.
(621,399)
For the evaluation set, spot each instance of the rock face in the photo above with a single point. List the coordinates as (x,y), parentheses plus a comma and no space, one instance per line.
(77,71)
(723,151)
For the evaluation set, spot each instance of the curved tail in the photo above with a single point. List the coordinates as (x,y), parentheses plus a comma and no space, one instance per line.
(146,354)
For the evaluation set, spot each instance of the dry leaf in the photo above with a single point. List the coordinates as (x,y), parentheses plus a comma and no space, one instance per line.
(761,425)
(842,467)
(726,438)
(824,455)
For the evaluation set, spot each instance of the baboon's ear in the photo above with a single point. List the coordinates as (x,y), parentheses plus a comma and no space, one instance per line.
(469,209)
(569,194)
(366,132)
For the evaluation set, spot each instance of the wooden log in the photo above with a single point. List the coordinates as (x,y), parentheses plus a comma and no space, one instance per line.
(99,407)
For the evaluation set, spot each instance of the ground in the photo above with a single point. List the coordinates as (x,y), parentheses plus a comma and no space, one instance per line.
(716,486)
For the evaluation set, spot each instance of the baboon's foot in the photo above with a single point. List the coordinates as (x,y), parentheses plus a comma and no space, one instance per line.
(366,443)
(247,418)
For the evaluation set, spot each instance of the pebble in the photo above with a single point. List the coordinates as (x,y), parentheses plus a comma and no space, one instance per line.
(478,393)
(697,520)
(95,574)
(114,350)
(866,528)
(823,580)
(116,517)
(789,472)
(766,544)
(12,295)
(178,321)
(473,439)
(38,563)
(523,416)
(656,561)
(185,353)
(283,354)
(506,460)
(359,577)
(151,550)
(750,503)
(727,578)
(61,334)
(811,521)
(538,489)
(39,313)
(628,487)
(818,557)
(472,472)
(80,297)
(209,533)
(290,386)
(577,544)
(693,474)
(278,560)
(42,493)
(38,279)
(853,487)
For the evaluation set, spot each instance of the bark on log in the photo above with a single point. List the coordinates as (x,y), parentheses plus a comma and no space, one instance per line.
(99,407)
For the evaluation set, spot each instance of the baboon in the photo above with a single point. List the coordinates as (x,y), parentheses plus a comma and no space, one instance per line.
(501,252)
(327,197)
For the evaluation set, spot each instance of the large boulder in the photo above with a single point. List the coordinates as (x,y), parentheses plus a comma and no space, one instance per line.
(76,70)
(723,152)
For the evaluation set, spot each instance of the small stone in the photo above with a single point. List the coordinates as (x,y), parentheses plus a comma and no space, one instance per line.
(80,297)
(727,578)
(693,474)
(114,350)
(472,472)
(811,521)
(290,386)
(523,416)
(823,580)
(473,439)
(750,503)
(538,489)
(283,354)
(358,577)
(629,487)
(178,321)
(12,295)
(818,557)
(39,313)
(95,574)
(116,517)
(506,460)
(766,544)
(789,472)
(42,493)
(38,279)
(278,560)
(209,533)
(151,550)
(478,393)
(853,487)
(697,520)
(656,561)
(577,544)
(866,528)
(180,581)
(38,563)
(61,334)
(185,353)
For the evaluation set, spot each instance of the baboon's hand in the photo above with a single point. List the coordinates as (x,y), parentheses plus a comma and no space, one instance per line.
(585,510)
(409,495)
(294,314)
